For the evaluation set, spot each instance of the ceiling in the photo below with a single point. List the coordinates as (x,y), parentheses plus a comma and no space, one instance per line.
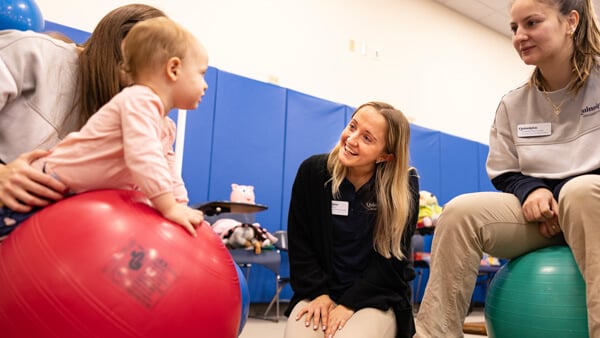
(490,13)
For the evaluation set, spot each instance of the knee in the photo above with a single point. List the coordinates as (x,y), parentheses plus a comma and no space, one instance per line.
(457,210)
(578,190)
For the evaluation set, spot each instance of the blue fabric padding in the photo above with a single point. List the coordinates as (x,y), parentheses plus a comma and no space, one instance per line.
(286,293)
(459,167)
(485,184)
(248,143)
(78,36)
(197,150)
(425,149)
(313,126)
(349,112)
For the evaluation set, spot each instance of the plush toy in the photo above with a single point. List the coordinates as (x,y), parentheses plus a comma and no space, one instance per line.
(487,260)
(249,237)
(429,209)
(242,193)
(239,235)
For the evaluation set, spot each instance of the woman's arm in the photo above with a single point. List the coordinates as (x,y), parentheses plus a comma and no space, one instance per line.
(305,232)
(23,187)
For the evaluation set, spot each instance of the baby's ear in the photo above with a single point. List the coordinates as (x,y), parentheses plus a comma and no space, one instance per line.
(173,67)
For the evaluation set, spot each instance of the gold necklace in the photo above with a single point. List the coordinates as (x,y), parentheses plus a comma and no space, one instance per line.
(555,107)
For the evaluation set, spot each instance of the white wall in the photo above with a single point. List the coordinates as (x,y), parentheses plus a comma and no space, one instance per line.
(442,69)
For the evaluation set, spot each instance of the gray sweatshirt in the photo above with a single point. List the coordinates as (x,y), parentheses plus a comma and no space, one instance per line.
(528,137)
(38,77)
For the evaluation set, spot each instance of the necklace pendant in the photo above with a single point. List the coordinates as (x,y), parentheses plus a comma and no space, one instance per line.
(557,110)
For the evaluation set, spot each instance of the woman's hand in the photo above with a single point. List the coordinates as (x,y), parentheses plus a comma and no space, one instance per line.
(317,311)
(23,187)
(338,317)
(549,228)
(541,207)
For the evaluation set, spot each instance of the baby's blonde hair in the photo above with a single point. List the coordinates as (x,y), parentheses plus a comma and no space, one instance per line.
(152,42)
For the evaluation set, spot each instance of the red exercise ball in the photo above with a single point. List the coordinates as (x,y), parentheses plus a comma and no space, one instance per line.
(106,264)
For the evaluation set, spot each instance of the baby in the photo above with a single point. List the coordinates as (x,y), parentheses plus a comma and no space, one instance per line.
(128,143)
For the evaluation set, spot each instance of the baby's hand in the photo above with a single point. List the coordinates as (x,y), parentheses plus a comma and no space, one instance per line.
(185,216)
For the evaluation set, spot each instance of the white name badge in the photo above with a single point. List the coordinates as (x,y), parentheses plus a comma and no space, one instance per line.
(534,129)
(339,208)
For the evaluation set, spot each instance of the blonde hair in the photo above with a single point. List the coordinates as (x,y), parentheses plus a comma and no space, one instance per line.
(151,43)
(391,182)
(586,42)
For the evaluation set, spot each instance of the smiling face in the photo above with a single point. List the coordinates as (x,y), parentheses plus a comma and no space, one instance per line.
(363,141)
(541,34)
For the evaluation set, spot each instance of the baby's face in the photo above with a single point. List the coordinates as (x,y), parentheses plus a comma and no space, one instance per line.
(191,82)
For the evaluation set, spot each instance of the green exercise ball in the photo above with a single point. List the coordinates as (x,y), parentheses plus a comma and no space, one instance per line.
(539,294)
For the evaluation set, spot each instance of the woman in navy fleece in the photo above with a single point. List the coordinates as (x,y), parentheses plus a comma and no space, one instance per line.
(352,214)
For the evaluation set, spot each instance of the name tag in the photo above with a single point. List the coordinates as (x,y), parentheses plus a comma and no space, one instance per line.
(339,208)
(534,129)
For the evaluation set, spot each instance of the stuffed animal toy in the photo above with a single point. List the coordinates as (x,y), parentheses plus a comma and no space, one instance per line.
(487,260)
(249,237)
(242,193)
(239,235)
(429,209)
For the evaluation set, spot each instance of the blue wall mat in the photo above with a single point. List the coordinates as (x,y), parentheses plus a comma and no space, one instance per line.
(349,112)
(248,142)
(286,293)
(248,148)
(425,148)
(197,149)
(313,126)
(485,184)
(78,36)
(459,168)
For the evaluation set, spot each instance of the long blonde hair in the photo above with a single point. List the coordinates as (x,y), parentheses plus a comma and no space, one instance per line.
(586,42)
(391,182)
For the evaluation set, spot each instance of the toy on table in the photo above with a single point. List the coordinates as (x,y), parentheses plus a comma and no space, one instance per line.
(242,193)
(239,235)
(429,209)
(241,202)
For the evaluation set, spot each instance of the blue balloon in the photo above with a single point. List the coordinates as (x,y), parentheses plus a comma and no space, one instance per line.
(21,14)
(245,298)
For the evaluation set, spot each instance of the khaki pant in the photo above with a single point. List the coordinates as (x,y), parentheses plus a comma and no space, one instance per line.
(492,222)
(365,323)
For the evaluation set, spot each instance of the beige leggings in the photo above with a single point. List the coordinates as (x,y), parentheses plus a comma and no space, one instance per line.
(365,323)
(493,222)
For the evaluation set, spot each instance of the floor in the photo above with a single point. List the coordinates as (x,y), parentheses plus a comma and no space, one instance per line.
(260,328)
